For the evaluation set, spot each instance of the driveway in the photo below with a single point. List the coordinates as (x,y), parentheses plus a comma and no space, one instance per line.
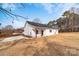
(8,39)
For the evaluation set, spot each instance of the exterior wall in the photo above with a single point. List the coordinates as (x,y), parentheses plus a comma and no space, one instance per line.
(28,30)
(48,33)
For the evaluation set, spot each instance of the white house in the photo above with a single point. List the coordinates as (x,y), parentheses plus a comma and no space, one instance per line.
(37,29)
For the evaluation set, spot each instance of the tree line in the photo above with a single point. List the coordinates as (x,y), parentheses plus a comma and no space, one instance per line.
(69,22)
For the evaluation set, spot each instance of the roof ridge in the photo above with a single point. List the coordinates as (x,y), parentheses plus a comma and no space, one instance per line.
(36,22)
(39,24)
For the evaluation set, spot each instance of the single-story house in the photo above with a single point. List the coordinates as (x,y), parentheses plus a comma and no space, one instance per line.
(34,29)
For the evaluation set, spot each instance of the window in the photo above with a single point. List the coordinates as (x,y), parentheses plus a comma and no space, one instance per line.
(50,30)
(30,33)
(41,32)
(36,31)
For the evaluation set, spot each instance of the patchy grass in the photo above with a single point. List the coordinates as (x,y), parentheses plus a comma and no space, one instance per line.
(61,44)
(66,39)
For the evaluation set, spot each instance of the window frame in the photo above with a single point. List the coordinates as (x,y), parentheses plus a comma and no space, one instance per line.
(50,30)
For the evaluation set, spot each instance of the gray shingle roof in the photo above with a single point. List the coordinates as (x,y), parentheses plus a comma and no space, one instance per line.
(41,25)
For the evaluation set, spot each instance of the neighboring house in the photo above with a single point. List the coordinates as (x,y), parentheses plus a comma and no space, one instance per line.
(37,29)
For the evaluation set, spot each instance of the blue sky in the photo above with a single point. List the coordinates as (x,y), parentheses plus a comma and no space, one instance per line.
(44,11)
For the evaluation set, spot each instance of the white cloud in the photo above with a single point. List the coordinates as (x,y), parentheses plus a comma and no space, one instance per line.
(58,7)
(18,24)
(48,7)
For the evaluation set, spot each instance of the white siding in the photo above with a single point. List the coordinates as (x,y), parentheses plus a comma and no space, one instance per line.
(53,32)
(28,30)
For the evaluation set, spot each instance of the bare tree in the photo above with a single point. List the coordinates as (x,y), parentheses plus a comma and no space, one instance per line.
(8,27)
(7,30)
(70,21)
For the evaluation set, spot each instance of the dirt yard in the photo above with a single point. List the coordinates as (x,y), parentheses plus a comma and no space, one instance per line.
(63,44)
(66,39)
